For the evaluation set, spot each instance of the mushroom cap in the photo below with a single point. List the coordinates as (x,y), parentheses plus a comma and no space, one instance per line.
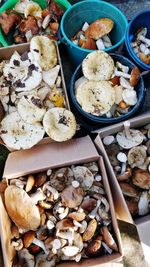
(84,176)
(136,156)
(99,28)
(129,96)
(21,209)
(126,143)
(128,190)
(61,178)
(72,197)
(141,178)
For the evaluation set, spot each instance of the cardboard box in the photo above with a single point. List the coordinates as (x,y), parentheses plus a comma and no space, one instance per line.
(6,53)
(40,158)
(119,201)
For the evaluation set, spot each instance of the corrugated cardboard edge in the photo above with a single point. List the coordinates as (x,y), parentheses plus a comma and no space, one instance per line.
(6,53)
(89,153)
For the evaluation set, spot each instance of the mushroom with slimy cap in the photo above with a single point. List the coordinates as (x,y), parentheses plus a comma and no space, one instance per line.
(129,138)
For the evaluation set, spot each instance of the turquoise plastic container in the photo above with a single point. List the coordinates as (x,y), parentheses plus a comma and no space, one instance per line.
(7,40)
(89,11)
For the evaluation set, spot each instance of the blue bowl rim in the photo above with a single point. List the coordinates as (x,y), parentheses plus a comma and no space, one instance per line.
(127,42)
(70,43)
(97,119)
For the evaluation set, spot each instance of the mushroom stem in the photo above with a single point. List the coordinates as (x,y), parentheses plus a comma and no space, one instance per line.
(145,50)
(127,129)
(144,40)
(122,74)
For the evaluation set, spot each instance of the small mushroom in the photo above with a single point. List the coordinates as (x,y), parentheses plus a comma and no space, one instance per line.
(83,227)
(132,206)
(136,156)
(92,166)
(141,32)
(143,204)
(18,244)
(125,83)
(112,151)
(108,140)
(129,96)
(115,81)
(84,176)
(108,239)
(123,159)
(100,44)
(129,137)
(40,179)
(45,205)
(135,73)
(141,178)
(94,247)
(144,40)
(51,192)
(90,230)
(88,204)
(103,210)
(128,190)
(30,183)
(125,175)
(64,224)
(61,178)
(122,67)
(42,233)
(72,197)
(70,251)
(78,216)
(122,74)
(28,238)
(38,196)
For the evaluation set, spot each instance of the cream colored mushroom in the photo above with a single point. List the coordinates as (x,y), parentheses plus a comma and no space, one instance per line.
(136,156)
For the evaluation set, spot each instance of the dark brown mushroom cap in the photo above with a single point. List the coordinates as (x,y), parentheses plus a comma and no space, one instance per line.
(141,178)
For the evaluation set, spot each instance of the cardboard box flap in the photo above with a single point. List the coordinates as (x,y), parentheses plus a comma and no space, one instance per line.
(55,154)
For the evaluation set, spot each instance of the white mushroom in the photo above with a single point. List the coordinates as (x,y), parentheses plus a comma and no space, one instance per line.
(48,189)
(103,210)
(70,251)
(123,159)
(122,74)
(118,94)
(38,196)
(93,213)
(107,140)
(83,227)
(129,97)
(85,26)
(100,44)
(98,177)
(50,225)
(143,204)
(125,83)
(18,244)
(129,137)
(141,32)
(144,40)
(75,184)
(46,21)
(144,49)
(136,156)
(84,176)
(17,182)
(122,67)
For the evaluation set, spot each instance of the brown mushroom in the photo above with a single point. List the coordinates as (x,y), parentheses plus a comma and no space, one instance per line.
(61,178)
(40,179)
(108,239)
(78,216)
(42,233)
(30,183)
(90,230)
(125,176)
(99,28)
(28,238)
(34,249)
(29,24)
(128,190)
(8,19)
(94,247)
(132,206)
(72,197)
(115,80)
(64,224)
(3,185)
(141,178)
(112,152)
(87,43)
(88,204)
(135,73)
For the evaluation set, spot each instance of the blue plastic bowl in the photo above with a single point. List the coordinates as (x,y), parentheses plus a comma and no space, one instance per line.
(139,89)
(89,11)
(140,20)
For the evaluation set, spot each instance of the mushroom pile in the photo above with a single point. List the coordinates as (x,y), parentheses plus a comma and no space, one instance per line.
(32,97)
(107,87)
(141,45)
(129,155)
(61,214)
(27,19)
(94,36)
